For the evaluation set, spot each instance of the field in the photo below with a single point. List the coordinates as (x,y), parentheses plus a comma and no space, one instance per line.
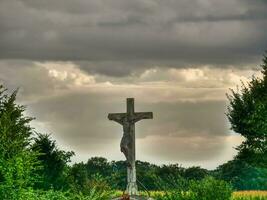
(250,195)
(240,195)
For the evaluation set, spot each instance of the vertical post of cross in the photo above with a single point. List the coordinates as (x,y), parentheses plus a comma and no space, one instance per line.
(132,188)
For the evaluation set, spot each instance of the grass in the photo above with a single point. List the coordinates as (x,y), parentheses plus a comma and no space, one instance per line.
(250,195)
(240,195)
(105,195)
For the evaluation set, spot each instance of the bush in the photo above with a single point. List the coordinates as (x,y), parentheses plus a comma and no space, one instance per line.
(210,189)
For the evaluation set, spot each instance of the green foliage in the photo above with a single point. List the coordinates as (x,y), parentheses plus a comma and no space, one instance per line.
(247,114)
(30,194)
(78,178)
(167,177)
(54,162)
(114,174)
(118,175)
(14,127)
(210,189)
(82,178)
(98,165)
(18,163)
(145,175)
(175,175)
(195,173)
(99,183)
(242,175)
(206,189)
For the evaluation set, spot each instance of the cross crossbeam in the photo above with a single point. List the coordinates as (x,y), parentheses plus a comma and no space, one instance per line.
(137,116)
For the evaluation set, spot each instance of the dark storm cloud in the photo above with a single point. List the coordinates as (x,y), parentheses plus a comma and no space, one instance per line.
(32,81)
(136,34)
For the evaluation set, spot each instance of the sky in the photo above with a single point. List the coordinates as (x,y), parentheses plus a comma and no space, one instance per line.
(76,61)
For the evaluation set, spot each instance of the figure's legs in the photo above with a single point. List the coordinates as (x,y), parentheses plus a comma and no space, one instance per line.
(126,149)
(126,152)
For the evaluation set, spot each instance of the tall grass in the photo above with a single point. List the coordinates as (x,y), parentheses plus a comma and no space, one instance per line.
(250,195)
(244,195)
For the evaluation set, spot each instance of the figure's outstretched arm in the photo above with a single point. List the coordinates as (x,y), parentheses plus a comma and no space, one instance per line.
(117,117)
(142,115)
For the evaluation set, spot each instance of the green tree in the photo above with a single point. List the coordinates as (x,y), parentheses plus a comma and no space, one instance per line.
(242,176)
(118,178)
(53,160)
(170,177)
(98,165)
(247,114)
(145,175)
(18,163)
(78,178)
(195,173)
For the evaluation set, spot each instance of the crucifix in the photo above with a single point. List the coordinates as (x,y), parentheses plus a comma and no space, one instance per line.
(127,145)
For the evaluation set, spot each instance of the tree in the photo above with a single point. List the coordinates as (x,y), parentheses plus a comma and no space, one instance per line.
(98,165)
(18,163)
(247,114)
(242,176)
(53,160)
(145,175)
(118,178)
(170,177)
(78,178)
(195,173)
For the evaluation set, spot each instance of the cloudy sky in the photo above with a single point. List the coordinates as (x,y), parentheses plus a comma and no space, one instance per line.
(76,61)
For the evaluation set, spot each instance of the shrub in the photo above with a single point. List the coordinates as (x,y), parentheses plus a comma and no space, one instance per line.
(209,189)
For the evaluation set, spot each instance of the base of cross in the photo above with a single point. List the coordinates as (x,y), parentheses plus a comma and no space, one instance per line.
(132,197)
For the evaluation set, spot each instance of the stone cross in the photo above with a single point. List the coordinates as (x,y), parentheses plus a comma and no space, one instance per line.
(128,120)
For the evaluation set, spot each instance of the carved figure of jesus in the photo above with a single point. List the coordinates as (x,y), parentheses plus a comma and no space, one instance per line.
(126,143)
